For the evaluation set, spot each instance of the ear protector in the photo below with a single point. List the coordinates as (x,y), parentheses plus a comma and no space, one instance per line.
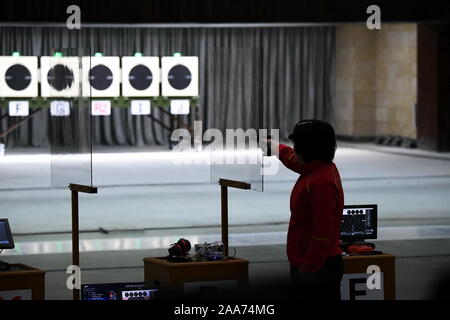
(180,248)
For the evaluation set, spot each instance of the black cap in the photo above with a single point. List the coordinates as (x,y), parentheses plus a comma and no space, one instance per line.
(296,129)
(314,140)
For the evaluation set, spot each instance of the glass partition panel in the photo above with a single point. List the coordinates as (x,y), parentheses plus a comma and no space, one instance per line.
(147,135)
(234,146)
(70,125)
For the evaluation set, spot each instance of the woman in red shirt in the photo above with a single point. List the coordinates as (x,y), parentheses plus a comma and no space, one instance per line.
(316,204)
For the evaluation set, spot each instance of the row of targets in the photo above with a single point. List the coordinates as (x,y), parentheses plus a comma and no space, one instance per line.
(98,76)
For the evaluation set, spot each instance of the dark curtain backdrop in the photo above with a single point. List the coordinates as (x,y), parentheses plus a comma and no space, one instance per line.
(295,73)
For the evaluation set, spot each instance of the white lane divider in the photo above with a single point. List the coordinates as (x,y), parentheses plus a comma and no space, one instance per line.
(236,240)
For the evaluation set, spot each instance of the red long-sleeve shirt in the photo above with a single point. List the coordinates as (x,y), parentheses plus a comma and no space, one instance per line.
(316,204)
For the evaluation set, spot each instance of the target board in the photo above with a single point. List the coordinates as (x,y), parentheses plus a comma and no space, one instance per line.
(179,76)
(101,76)
(140,76)
(18,77)
(60,76)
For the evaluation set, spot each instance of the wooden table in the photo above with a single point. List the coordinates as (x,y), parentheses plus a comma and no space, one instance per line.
(357,265)
(23,277)
(161,273)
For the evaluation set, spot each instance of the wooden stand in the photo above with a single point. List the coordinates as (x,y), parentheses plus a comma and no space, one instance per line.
(224,185)
(161,273)
(23,277)
(164,274)
(75,188)
(356,267)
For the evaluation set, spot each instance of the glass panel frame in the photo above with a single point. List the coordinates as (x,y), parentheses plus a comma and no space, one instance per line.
(70,126)
(237,83)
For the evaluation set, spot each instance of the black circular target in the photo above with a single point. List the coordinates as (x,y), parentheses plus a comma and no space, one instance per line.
(100,77)
(180,77)
(60,77)
(18,77)
(140,77)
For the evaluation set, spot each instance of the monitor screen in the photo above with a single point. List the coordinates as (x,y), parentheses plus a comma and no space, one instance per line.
(6,239)
(108,291)
(359,222)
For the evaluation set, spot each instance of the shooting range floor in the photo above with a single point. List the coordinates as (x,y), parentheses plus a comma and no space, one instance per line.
(145,202)
(140,190)
(420,264)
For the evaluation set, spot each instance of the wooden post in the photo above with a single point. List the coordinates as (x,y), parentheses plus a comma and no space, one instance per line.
(75,239)
(224,214)
(224,184)
(75,188)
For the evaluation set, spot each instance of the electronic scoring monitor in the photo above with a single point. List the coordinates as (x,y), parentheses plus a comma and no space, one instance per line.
(117,291)
(359,222)
(6,239)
